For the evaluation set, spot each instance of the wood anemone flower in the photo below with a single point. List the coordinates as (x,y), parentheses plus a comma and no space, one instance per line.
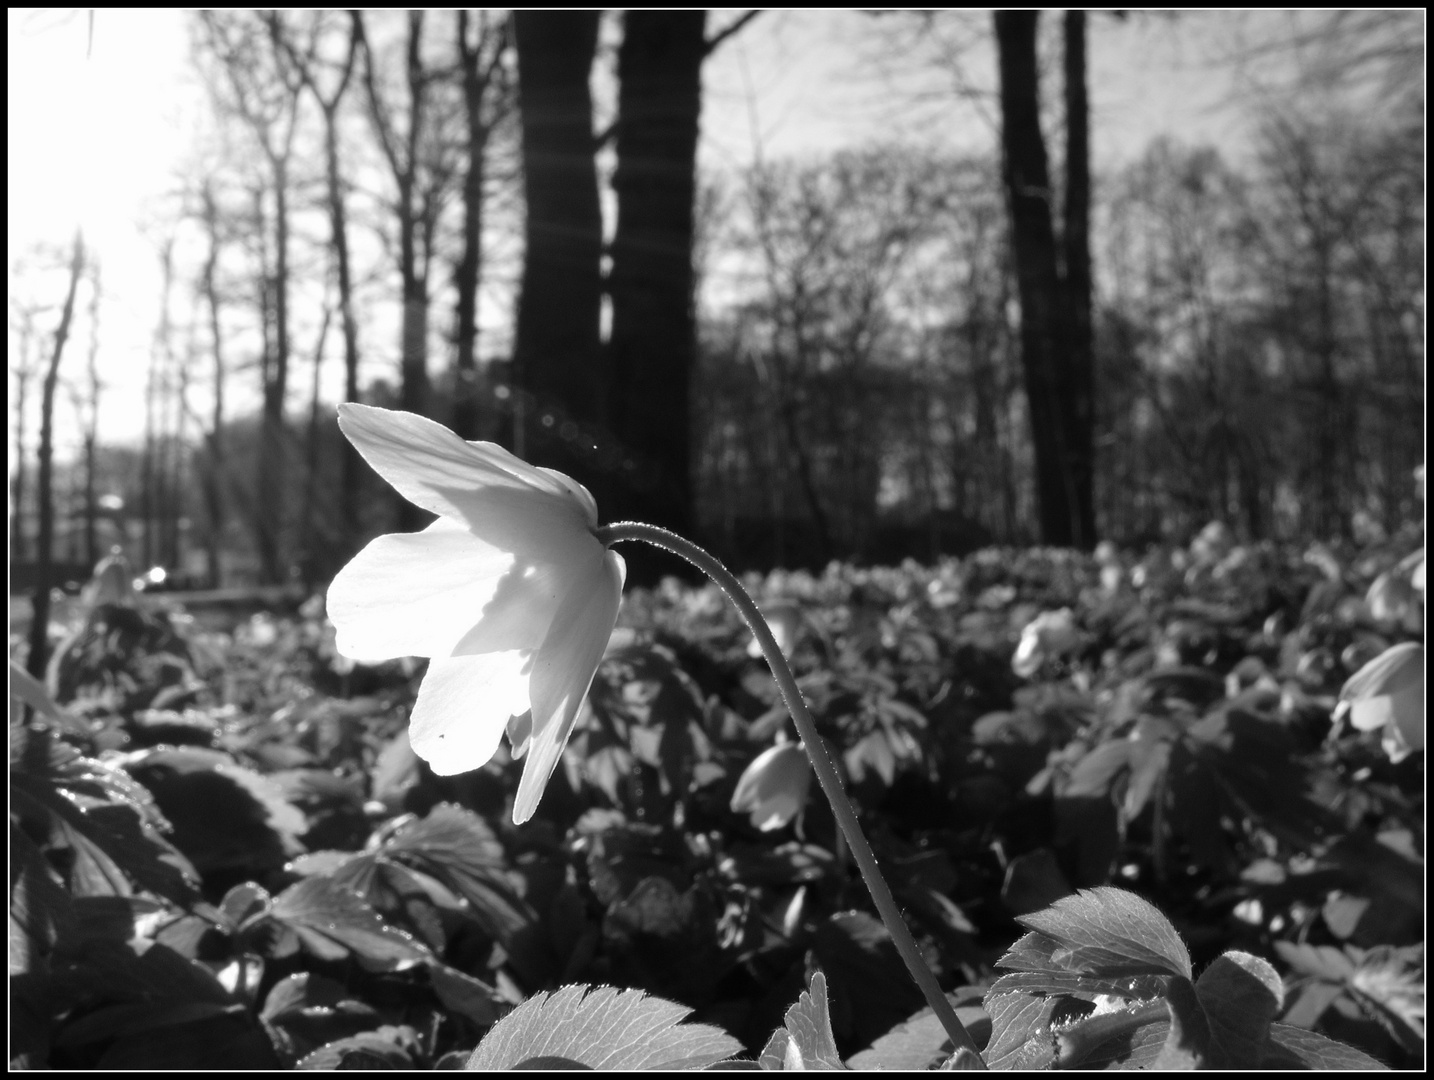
(773,788)
(509,593)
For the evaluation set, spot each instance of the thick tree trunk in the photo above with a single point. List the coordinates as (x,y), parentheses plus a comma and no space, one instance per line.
(652,349)
(557,352)
(40,605)
(1028,191)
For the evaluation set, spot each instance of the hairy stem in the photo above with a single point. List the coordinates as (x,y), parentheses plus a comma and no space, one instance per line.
(822,763)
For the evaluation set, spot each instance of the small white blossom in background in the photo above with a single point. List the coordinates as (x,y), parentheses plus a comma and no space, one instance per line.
(1388,694)
(1048,635)
(786,623)
(509,593)
(773,788)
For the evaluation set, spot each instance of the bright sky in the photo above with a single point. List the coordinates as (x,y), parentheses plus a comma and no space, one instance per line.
(93,142)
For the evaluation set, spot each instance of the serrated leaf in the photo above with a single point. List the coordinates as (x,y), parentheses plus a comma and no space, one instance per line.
(466,995)
(808,1023)
(921,1042)
(870,990)
(1135,987)
(1135,1041)
(1241,996)
(1020,1029)
(458,848)
(111,843)
(1107,931)
(367,1050)
(302,991)
(603,1028)
(41,910)
(1294,1048)
(331,921)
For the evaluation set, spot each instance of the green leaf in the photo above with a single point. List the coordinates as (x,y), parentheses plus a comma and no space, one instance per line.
(1321,961)
(1295,1048)
(466,995)
(807,1027)
(230,1041)
(378,1049)
(1020,1029)
(112,845)
(603,1028)
(41,910)
(331,921)
(25,687)
(1107,931)
(458,848)
(870,990)
(1241,995)
(1187,1046)
(921,1042)
(1133,1037)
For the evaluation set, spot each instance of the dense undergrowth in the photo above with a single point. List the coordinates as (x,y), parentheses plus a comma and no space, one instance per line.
(225,855)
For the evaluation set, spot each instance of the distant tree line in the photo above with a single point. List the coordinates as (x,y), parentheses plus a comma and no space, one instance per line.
(881,353)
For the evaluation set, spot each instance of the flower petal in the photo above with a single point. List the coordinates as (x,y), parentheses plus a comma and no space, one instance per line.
(563,670)
(463,707)
(416,594)
(502,500)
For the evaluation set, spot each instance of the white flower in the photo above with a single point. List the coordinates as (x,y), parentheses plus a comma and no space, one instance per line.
(773,788)
(1388,693)
(509,593)
(1049,634)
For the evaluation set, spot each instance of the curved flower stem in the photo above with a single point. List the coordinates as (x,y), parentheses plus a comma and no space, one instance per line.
(821,759)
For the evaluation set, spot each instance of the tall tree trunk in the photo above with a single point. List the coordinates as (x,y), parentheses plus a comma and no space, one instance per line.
(23,372)
(557,352)
(92,422)
(269,505)
(214,474)
(1028,191)
(40,605)
(480,62)
(1078,382)
(350,463)
(653,345)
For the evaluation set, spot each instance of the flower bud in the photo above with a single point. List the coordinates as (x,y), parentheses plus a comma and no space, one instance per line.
(1388,693)
(773,788)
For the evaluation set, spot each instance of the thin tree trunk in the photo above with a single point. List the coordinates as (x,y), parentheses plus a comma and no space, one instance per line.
(40,605)
(92,423)
(214,475)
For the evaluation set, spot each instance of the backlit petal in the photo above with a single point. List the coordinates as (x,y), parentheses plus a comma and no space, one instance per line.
(415,594)
(563,670)
(504,501)
(463,708)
